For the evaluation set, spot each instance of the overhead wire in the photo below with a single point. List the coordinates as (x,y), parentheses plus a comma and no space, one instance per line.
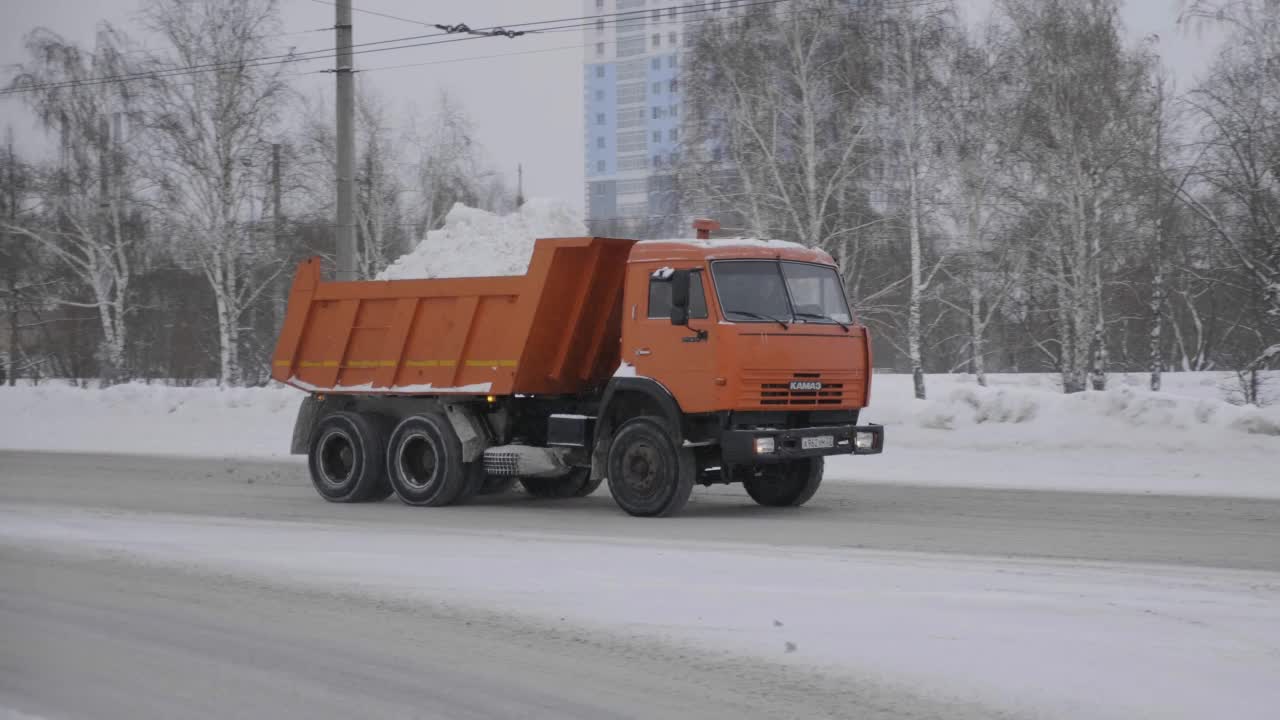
(330,53)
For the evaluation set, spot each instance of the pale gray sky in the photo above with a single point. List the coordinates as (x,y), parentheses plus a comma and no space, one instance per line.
(527,108)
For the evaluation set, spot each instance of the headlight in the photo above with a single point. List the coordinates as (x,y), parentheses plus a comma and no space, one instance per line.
(764,445)
(863,441)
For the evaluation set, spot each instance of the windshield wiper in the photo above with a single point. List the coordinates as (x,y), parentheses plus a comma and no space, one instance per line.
(823,317)
(758,316)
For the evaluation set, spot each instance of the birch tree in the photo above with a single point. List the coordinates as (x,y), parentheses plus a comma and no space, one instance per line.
(972,123)
(209,132)
(1237,188)
(86,195)
(1078,88)
(911,91)
(782,99)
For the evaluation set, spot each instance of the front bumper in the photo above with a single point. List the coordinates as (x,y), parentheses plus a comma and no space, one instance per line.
(739,446)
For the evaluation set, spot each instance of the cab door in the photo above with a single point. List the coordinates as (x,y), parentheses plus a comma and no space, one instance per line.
(679,357)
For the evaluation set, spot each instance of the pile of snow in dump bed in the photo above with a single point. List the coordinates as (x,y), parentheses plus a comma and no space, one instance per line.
(475,243)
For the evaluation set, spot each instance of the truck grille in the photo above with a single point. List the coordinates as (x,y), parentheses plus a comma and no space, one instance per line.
(797,390)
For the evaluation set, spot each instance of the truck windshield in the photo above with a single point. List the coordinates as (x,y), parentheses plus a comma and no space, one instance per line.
(754,291)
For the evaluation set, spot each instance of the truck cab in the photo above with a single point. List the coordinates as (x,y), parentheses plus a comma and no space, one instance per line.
(750,349)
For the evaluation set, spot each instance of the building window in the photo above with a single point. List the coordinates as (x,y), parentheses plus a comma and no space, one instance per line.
(675,85)
(599,118)
(599,26)
(631,142)
(657,136)
(657,161)
(672,39)
(715,5)
(599,71)
(671,13)
(657,113)
(599,166)
(599,49)
(656,15)
(656,63)
(671,61)
(632,46)
(657,39)
(599,95)
(673,134)
(599,4)
(674,110)
(600,143)
(631,93)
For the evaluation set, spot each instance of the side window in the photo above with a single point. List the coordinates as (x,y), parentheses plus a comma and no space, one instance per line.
(660,299)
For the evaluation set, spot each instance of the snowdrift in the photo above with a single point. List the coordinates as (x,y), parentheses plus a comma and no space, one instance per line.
(1017,410)
(1020,432)
(476,243)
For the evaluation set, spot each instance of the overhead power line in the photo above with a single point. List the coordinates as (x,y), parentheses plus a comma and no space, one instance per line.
(474,34)
(329,53)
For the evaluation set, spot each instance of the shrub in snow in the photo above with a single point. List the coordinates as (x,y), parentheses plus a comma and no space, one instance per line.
(475,243)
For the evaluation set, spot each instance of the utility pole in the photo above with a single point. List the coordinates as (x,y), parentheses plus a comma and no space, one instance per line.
(519,186)
(346,228)
(11,357)
(277,213)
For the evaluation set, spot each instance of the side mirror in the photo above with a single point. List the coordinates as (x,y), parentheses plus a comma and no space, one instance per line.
(680,297)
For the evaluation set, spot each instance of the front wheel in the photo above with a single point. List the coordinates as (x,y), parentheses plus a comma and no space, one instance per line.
(784,484)
(649,475)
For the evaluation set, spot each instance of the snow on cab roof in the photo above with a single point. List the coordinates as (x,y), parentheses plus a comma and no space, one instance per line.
(732,242)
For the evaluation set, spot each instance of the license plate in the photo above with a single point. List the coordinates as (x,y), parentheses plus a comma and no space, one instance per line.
(817,442)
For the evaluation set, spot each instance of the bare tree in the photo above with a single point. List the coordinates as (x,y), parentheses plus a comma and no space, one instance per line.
(85,196)
(209,131)
(1237,185)
(1079,91)
(450,166)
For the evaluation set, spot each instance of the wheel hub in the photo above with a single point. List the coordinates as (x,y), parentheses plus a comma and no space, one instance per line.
(337,459)
(640,466)
(418,462)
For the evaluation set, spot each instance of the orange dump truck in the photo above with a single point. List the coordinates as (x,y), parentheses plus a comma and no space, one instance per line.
(656,365)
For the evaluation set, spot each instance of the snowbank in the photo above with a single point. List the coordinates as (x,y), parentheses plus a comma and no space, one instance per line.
(1018,410)
(150,419)
(1020,432)
(479,243)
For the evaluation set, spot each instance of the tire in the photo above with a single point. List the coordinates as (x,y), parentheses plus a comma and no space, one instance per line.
(424,462)
(496,484)
(345,457)
(565,486)
(786,484)
(648,475)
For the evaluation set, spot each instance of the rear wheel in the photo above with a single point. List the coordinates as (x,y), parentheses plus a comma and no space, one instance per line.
(344,457)
(649,475)
(424,462)
(785,484)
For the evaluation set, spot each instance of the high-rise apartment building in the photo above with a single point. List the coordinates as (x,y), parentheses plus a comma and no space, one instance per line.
(632,104)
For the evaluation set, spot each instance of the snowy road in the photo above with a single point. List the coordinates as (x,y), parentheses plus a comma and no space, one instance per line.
(132,586)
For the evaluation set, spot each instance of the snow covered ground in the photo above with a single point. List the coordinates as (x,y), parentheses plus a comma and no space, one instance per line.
(1038,638)
(1020,432)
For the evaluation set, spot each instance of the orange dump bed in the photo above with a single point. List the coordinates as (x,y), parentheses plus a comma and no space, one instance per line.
(554,330)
